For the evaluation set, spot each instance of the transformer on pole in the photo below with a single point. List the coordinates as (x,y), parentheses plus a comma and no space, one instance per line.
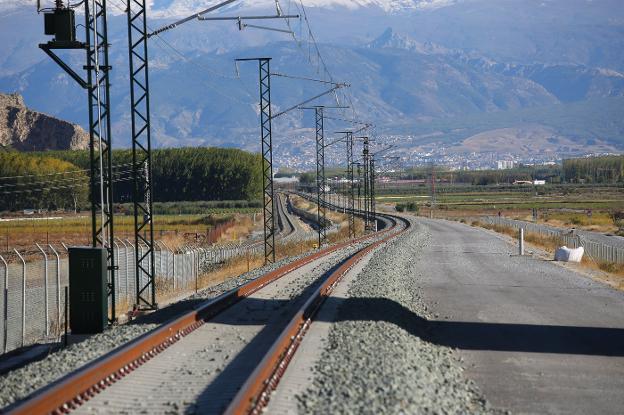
(267,156)
(60,22)
(141,155)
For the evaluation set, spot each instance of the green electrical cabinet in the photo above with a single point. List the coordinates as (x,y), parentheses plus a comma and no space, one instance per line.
(88,296)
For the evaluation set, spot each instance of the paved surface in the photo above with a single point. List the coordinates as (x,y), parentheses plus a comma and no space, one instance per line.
(536,338)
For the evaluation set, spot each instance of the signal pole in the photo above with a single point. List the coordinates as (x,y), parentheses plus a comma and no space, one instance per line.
(60,22)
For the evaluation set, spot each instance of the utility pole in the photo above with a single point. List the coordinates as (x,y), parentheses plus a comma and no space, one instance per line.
(350,202)
(267,156)
(366,162)
(433,188)
(373,206)
(60,22)
(141,155)
(321,183)
(141,136)
(320,175)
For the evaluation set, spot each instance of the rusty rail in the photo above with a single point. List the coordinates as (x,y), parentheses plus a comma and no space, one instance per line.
(256,392)
(74,389)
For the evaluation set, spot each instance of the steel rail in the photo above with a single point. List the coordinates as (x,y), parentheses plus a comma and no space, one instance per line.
(253,397)
(74,389)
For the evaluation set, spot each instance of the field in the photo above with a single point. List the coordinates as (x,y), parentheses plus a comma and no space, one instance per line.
(23,232)
(582,207)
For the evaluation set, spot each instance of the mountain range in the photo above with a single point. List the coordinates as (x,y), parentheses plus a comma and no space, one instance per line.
(437,72)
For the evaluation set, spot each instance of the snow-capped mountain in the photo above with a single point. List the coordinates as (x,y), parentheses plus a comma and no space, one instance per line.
(177,8)
(437,68)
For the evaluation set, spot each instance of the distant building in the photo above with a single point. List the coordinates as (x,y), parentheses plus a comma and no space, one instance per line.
(505,164)
(539,182)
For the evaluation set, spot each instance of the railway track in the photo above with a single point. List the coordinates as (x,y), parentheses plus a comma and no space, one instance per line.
(200,360)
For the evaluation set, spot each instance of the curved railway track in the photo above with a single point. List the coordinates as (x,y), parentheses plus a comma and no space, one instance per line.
(283,305)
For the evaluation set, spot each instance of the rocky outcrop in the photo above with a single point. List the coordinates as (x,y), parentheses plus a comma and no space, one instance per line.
(26,130)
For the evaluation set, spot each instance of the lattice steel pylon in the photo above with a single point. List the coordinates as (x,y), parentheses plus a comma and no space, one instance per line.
(359,187)
(98,81)
(97,85)
(351,195)
(141,155)
(366,165)
(373,208)
(320,175)
(267,156)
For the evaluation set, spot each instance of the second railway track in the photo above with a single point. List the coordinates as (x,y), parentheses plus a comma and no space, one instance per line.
(197,363)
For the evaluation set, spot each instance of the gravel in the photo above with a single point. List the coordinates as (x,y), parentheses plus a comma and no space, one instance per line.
(376,360)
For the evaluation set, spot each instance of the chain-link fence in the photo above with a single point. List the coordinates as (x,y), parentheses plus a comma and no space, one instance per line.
(32,303)
(598,250)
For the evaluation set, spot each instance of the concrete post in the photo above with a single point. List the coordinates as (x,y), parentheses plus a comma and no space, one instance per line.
(23,295)
(58,287)
(521,241)
(45,289)
(5,292)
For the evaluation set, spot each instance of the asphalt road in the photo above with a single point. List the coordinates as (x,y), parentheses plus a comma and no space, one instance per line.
(535,337)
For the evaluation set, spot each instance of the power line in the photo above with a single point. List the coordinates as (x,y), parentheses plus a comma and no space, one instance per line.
(58,173)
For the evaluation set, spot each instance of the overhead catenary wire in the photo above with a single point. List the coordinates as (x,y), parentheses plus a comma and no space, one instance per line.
(60,187)
(58,173)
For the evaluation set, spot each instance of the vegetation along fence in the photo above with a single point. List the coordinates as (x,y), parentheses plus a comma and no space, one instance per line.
(33,297)
(598,250)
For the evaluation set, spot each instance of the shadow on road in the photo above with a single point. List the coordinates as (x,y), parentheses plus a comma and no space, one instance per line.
(512,337)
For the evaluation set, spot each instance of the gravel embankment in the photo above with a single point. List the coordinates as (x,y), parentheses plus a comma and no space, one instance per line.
(21,382)
(376,360)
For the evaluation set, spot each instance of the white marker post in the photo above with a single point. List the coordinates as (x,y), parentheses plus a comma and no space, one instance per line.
(521,241)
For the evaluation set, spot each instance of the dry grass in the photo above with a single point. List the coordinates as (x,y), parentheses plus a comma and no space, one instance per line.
(71,229)
(240,265)
(243,227)
(173,241)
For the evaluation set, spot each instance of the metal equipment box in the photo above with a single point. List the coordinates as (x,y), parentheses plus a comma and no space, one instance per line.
(60,23)
(88,296)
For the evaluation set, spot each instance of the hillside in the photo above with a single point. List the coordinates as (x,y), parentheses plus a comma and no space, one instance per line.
(26,130)
(427,72)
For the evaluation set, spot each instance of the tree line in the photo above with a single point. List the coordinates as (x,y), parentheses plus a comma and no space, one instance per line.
(29,181)
(604,169)
(183,174)
(607,169)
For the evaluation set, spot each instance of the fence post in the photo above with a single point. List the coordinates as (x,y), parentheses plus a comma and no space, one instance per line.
(116,273)
(521,241)
(173,264)
(5,293)
(132,251)
(58,287)
(23,295)
(45,289)
(127,265)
